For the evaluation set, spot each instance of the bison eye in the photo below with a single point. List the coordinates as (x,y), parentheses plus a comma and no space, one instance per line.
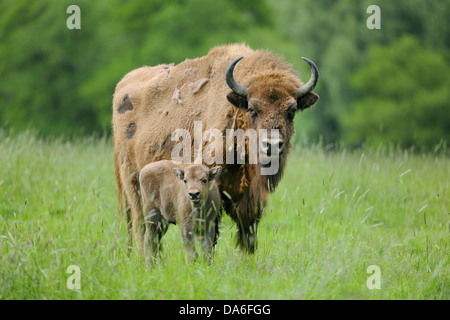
(185,181)
(252,112)
(291,115)
(204,181)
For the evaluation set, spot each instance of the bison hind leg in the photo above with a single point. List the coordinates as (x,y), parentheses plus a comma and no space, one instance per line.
(129,228)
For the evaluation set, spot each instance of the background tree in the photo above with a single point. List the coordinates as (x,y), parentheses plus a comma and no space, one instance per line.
(61,81)
(334,34)
(405,97)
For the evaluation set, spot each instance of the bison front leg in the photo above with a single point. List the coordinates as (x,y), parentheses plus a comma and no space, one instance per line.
(247,237)
(247,219)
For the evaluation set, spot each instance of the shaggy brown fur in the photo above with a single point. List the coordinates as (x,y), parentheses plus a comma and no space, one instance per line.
(151,102)
(181,194)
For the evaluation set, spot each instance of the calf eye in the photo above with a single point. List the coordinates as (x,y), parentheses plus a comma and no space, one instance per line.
(185,181)
(204,181)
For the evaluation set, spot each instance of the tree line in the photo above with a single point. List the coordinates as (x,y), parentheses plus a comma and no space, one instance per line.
(387,85)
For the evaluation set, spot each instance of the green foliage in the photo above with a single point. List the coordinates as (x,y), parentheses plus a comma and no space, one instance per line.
(43,64)
(60,81)
(166,32)
(334,35)
(405,96)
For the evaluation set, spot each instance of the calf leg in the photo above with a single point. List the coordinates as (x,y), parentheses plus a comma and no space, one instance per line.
(155,228)
(209,239)
(207,228)
(188,236)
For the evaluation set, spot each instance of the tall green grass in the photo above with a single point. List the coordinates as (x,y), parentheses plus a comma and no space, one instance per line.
(333,215)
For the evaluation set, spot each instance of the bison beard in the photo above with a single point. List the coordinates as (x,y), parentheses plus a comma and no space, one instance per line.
(263,92)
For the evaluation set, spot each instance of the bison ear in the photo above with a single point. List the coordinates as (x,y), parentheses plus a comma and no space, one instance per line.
(179,173)
(237,100)
(214,172)
(307,101)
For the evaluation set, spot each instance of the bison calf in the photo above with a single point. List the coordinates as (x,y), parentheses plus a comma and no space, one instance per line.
(180,194)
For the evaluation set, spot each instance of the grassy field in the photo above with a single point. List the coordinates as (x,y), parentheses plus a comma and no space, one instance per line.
(333,215)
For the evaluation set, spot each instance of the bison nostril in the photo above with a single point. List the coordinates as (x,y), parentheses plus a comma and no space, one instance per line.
(194,195)
(274,146)
(269,149)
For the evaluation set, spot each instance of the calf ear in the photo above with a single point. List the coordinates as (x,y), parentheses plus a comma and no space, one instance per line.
(237,100)
(307,101)
(179,173)
(214,172)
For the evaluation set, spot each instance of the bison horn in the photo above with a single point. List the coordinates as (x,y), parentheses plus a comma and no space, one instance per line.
(236,87)
(309,86)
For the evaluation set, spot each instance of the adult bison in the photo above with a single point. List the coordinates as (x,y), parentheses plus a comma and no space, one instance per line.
(150,103)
